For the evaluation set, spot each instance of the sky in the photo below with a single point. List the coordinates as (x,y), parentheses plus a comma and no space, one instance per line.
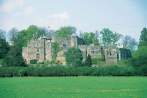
(126,17)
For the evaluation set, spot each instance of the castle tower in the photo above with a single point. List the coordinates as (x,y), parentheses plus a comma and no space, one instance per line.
(110,55)
(74,42)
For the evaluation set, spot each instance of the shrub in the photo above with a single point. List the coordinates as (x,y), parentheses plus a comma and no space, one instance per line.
(34,61)
(14,57)
(73,71)
(74,57)
(140,57)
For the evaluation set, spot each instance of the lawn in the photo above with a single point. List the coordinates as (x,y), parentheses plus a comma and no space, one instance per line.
(73,87)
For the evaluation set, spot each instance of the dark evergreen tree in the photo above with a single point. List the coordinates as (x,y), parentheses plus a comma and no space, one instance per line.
(14,57)
(143,38)
(4,48)
(140,56)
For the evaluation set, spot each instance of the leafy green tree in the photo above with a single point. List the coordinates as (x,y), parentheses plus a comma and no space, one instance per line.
(143,38)
(89,38)
(65,32)
(2,34)
(20,39)
(13,34)
(88,61)
(14,57)
(74,57)
(55,50)
(26,35)
(109,37)
(140,56)
(4,47)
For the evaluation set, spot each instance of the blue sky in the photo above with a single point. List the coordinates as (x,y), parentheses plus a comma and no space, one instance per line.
(127,17)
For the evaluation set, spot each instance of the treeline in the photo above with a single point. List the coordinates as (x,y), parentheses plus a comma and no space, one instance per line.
(11,53)
(73,71)
(11,49)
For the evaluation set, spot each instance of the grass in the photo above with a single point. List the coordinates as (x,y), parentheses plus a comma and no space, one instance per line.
(73,87)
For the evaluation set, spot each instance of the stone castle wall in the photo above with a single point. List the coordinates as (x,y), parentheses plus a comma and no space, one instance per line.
(40,50)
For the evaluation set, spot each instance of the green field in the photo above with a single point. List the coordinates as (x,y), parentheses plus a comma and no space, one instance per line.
(73,87)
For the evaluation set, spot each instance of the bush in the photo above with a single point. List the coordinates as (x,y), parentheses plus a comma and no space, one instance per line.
(73,71)
(14,57)
(12,71)
(140,57)
(74,57)
(33,61)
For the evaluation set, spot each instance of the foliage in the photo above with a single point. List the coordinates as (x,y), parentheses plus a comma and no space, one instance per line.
(13,35)
(4,48)
(14,57)
(34,61)
(55,50)
(140,56)
(109,37)
(74,57)
(143,37)
(88,61)
(65,32)
(89,38)
(2,34)
(26,35)
(59,70)
(129,43)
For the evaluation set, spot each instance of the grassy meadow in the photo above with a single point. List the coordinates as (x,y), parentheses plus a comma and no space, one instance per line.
(73,87)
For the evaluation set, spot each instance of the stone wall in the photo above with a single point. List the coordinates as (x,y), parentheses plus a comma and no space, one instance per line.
(40,50)
(37,49)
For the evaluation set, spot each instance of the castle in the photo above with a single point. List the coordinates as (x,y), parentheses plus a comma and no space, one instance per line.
(40,49)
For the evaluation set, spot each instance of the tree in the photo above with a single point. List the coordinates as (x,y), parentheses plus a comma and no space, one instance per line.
(55,50)
(129,43)
(143,38)
(140,56)
(2,34)
(13,34)
(74,57)
(108,37)
(4,47)
(88,61)
(115,38)
(14,57)
(89,38)
(65,32)
(31,32)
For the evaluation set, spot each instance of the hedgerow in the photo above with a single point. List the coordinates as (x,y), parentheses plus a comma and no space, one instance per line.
(73,71)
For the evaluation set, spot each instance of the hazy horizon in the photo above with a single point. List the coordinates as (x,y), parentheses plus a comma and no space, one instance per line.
(126,17)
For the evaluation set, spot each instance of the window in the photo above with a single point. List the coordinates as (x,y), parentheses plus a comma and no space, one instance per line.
(37,56)
(37,50)
(64,45)
(110,53)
